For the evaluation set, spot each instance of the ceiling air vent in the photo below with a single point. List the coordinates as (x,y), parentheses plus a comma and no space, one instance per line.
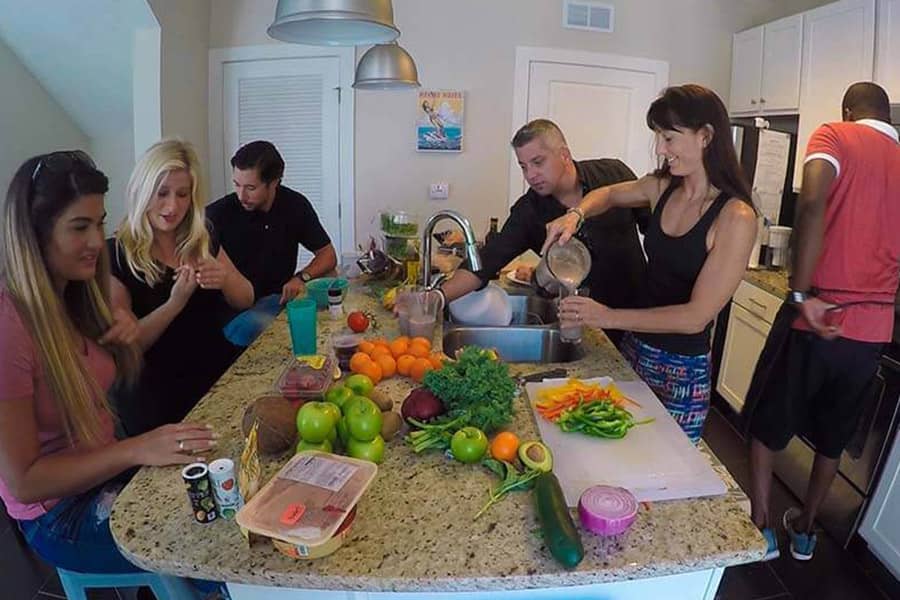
(589,15)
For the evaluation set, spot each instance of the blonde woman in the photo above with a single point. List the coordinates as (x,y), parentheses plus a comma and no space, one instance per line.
(60,464)
(173,275)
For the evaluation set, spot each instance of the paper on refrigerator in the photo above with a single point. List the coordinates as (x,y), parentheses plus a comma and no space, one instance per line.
(771,170)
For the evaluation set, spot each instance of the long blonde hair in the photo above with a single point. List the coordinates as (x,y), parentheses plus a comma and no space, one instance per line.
(135,233)
(38,194)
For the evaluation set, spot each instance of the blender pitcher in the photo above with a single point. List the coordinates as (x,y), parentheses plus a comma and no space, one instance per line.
(565,266)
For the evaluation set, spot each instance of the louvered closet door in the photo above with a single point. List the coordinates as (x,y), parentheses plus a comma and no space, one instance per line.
(293,103)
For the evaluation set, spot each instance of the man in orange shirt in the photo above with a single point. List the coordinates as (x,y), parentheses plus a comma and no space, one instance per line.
(843,282)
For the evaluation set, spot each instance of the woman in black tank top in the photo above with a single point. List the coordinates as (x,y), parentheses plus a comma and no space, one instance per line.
(699,240)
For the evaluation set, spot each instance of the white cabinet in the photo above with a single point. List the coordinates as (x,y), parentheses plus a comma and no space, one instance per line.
(746,70)
(887,49)
(765,67)
(880,524)
(752,313)
(838,49)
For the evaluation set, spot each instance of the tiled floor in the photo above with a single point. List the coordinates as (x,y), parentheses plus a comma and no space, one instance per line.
(832,575)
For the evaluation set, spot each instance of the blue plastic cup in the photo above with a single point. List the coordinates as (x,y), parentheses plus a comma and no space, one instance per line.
(301,314)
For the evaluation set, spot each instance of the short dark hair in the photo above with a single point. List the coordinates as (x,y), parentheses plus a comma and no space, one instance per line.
(867,99)
(262,156)
(545,129)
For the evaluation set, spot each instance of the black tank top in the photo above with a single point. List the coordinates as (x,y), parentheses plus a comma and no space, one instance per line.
(673,264)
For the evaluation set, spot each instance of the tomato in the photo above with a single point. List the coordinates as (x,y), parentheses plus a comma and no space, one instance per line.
(357,321)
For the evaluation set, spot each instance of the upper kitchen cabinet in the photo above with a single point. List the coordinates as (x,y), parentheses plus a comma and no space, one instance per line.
(887,50)
(838,49)
(765,69)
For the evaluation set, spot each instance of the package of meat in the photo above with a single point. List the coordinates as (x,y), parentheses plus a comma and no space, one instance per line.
(306,377)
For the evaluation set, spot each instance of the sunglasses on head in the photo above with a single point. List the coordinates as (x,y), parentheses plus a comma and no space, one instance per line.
(62,160)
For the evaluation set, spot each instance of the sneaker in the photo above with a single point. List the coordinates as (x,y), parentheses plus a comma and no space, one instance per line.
(802,544)
(772,551)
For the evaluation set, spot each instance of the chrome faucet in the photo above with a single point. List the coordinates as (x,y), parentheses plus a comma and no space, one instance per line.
(471,249)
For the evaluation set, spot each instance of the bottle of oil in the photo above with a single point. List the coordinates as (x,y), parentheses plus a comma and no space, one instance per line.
(492,231)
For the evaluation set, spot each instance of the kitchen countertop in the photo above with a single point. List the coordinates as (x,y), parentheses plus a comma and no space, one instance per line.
(414,530)
(774,282)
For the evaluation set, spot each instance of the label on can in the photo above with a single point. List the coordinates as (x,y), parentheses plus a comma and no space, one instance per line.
(225,487)
(199,491)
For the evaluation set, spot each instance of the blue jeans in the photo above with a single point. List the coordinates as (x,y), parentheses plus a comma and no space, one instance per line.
(246,327)
(74,534)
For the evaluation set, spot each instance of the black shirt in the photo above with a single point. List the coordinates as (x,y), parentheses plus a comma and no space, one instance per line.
(617,261)
(675,263)
(184,362)
(264,245)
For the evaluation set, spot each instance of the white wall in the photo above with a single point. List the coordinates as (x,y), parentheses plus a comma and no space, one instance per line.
(470,45)
(114,154)
(184,74)
(31,121)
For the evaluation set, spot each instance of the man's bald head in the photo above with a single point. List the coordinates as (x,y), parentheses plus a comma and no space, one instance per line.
(543,129)
(866,100)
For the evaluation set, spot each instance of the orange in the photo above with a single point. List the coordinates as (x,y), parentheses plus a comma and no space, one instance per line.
(358,360)
(380,351)
(404,362)
(419,368)
(399,347)
(504,446)
(379,341)
(419,350)
(421,340)
(366,346)
(388,365)
(401,337)
(373,370)
(437,360)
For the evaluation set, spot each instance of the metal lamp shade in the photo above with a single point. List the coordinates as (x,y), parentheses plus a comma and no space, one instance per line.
(334,22)
(386,67)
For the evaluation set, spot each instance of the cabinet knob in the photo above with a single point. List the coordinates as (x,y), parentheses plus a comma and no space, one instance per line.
(752,101)
(762,100)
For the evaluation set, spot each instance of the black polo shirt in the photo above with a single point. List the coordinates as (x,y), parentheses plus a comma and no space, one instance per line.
(264,245)
(617,260)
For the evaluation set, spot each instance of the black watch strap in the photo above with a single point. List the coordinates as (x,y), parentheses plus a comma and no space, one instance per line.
(304,276)
(797,297)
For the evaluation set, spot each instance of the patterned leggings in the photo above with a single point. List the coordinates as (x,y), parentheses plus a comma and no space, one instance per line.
(681,382)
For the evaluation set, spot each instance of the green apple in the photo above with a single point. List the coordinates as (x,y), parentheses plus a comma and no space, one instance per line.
(342,432)
(364,420)
(360,384)
(468,445)
(315,420)
(372,451)
(348,405)
(323,446)
(338,394)
(333,410)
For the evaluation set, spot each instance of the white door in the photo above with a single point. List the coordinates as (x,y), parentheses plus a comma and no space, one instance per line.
(745,337)
(293,103)
(782,54)
(746,70)
(598,100)
(887,54)
(880,524)
(838,49)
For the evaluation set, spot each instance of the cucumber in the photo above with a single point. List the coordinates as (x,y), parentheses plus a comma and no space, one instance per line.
(560,534)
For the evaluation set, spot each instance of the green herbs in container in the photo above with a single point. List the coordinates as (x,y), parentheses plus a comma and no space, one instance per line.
(399,224)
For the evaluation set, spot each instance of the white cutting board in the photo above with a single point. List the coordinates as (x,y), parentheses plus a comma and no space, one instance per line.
(655,461)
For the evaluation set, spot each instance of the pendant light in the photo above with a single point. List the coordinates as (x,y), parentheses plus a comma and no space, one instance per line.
(386,67)
(334,22)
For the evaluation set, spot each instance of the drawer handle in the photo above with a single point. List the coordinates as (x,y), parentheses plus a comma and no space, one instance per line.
(757,303)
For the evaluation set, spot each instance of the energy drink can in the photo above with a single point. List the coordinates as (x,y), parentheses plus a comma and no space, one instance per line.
(199,491)
(225,487)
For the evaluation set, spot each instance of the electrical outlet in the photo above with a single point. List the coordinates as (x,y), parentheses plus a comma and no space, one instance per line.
(439,191)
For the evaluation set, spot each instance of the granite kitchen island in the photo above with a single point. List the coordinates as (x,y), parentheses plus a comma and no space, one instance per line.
(414,534)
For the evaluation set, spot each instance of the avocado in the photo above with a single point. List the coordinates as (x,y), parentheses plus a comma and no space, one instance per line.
(537,456)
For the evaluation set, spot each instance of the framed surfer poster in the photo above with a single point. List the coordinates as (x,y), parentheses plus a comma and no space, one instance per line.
(439,121)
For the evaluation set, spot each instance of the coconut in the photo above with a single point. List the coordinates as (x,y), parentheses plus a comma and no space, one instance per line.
(277,423)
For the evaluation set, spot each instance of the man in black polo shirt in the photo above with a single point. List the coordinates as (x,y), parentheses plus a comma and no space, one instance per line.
(557,184)
(262,226)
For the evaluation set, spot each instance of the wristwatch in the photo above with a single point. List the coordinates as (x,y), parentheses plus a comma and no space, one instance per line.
(797,297)
(304,276)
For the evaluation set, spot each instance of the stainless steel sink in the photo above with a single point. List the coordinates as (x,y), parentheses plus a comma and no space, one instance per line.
(514,344)
(528,310)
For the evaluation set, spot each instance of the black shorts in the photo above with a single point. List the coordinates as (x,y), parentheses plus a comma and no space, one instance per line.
(817,388)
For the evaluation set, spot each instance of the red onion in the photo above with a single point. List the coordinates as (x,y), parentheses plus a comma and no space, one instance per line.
(607,510)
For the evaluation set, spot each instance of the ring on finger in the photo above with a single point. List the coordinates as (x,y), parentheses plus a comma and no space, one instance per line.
(181,445)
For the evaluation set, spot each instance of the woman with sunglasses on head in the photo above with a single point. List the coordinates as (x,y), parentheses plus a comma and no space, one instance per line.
(61,347)
(171,272)
(701,233)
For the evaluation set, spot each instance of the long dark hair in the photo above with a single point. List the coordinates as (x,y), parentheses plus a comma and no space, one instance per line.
(693,107)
